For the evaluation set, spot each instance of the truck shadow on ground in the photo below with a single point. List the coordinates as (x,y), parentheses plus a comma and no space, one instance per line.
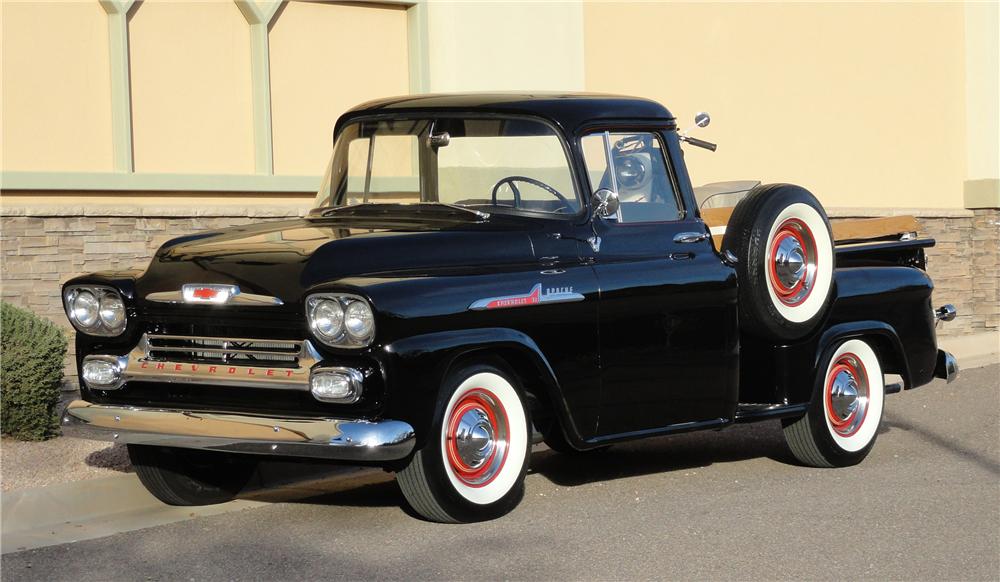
(649,456)
(664,454)
(113,458)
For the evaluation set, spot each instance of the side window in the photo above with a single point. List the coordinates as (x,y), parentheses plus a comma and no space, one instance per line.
(633,165)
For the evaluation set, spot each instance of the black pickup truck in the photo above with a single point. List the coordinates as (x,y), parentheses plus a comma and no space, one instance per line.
(484,272)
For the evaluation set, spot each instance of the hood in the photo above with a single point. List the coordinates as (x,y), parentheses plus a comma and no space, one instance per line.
(285,259)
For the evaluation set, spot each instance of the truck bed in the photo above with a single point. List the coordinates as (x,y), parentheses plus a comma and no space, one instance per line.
(845,232)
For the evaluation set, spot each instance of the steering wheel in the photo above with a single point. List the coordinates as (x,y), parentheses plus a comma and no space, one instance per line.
(517,193)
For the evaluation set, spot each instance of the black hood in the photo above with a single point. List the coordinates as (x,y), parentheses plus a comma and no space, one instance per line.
(286,259)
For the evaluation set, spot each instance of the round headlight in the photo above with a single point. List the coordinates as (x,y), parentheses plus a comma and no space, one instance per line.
(85,309)
(112,312)
(359,320)
(327,318)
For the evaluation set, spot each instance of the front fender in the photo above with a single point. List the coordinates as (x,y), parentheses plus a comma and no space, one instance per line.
(417,366)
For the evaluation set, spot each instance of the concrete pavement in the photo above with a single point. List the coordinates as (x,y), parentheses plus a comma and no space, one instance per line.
(924,505)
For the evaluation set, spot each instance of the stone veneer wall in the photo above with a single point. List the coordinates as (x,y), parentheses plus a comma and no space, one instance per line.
(965,263)
(43,247)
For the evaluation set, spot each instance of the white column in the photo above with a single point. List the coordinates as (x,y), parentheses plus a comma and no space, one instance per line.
(121,98)
(259,17)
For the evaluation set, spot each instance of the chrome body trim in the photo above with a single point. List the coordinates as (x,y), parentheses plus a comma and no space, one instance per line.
(231,295)
(322,438)
(533,297)
(691,237)
(141,365)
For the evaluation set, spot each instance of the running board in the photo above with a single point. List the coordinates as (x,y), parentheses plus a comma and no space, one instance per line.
(750,412)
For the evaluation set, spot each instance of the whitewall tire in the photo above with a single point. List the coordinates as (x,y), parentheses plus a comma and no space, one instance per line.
(783,242)
(844,416)
(473,466)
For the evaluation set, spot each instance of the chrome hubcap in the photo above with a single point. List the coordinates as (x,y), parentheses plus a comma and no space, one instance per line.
(477,439)
(847,395)
(790,263)
(474,438)
(844,394)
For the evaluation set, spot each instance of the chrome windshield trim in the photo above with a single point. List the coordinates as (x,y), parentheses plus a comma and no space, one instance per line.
(324,438)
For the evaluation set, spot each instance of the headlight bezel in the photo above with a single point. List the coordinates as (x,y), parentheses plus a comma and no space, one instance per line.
(101,293)
(344,338)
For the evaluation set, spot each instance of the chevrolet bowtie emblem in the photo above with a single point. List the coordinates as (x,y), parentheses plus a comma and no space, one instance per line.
(217,294)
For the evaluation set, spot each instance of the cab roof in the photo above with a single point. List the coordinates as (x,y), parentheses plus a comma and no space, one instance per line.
(569,111)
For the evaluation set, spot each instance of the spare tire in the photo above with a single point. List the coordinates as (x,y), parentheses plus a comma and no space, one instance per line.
(782,239)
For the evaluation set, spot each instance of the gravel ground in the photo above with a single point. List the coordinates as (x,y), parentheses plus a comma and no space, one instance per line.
(36,464)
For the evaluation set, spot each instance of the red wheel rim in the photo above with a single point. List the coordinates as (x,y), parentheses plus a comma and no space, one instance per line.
(477,437)
(846,395)
(793,243)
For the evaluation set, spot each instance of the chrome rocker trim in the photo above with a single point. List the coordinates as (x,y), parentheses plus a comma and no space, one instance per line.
(321,438)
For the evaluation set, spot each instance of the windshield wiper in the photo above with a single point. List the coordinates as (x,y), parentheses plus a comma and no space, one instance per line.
(478,213)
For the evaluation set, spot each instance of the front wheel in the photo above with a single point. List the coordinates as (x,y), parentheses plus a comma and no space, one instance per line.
(191,477)
(473,466)
(844,416)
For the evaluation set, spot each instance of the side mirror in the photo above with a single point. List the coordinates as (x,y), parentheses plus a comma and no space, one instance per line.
(605,203)
(702,119)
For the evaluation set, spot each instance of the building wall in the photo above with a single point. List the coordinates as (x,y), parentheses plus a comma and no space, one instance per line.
(56,87)
(190,69)
(214,120)
(863,103)
(316,74)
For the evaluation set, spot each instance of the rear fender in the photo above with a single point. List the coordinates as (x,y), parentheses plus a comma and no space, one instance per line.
(804,361)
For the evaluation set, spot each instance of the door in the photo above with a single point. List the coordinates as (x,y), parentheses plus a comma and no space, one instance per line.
(667,311)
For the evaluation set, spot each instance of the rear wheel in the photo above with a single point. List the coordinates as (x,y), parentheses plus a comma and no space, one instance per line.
(191,477)
(782,239)
(473,466)
(844,416)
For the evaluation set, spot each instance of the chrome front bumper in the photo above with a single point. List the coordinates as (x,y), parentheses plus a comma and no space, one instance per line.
(324,438)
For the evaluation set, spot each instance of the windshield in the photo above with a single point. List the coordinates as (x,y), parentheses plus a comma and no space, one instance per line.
(491,165)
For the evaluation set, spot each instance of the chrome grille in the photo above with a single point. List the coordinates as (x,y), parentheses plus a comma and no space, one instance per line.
(247,352)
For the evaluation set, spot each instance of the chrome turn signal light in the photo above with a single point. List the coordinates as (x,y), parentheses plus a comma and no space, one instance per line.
(104,372)
(338,385)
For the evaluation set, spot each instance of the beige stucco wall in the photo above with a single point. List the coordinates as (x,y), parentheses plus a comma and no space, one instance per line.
(190,64)
(864,103)
(326,58)
(982,95)
(489,46)
(56,87)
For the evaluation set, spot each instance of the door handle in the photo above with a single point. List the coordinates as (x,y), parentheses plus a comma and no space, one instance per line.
(690,237)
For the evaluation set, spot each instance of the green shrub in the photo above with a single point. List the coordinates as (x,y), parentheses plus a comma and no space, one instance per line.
(31,372)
